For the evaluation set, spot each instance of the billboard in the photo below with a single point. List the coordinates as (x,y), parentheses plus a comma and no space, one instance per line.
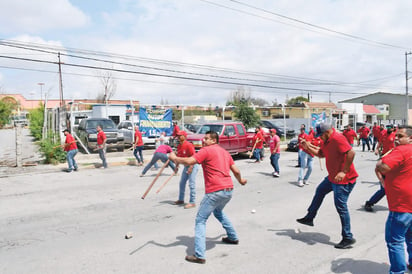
(154,121)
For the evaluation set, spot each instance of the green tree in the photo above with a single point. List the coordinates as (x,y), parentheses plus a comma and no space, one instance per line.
(36,122)
(6,110)
(297,100)
(246,114)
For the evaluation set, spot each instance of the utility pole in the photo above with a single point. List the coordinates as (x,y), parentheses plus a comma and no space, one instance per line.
(406,89)
(60,81)
(41,91)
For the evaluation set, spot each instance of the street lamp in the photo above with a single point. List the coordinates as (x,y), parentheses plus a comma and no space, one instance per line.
(41,91)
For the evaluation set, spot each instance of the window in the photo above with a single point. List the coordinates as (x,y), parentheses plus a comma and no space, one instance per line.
(265,113)
(240,130)
(230,131)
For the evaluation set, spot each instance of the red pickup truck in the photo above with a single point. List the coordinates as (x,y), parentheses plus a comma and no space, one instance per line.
(232,136)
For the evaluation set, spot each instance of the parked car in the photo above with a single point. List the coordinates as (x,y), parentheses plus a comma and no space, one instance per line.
(293,145)
(279,126)
(127,128)
(193,127)
(87,133)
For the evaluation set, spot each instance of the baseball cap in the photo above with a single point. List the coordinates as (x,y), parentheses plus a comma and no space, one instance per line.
(66,130)
(322,128)
(182,132)
(273,130)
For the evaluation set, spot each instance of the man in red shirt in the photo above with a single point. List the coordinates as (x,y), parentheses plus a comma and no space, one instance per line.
(217,164)
(138,146)
(387,141)
(70,147)
(376,132)
(350,134)
(186,149)
(364,136)
(341,178)
(176,129)
(101,145)
(258,143)
(306,159)
(274,145)
(396,166)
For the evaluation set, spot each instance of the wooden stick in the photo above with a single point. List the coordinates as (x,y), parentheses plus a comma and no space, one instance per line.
(253,149)
(168,179)
(155,179)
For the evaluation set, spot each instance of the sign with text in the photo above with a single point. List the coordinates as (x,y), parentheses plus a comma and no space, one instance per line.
(155,121)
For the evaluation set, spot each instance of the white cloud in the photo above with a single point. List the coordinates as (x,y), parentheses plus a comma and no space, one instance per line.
(39,16)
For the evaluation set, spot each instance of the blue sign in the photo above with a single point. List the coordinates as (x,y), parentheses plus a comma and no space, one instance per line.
(318,118)
(155,121)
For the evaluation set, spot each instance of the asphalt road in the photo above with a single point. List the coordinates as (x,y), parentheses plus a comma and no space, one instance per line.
(58,222)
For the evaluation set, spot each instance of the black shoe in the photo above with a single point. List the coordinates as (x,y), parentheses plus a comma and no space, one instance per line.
(194,259)
(229,241)
(409,267)
(368,207)
(297,166)
(345,243)
(305,221)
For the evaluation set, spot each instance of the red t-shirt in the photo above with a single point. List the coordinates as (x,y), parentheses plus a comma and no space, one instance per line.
(185,150)
(70,139)
(388,142)
(272,144)
(398,186)
(101,136)
(303,136)
(376,131)
(259,136)
(334,149)
(216,163)
(138,136)
(364,132)
(164,149)
(176,129)
(382,135)
(350,135)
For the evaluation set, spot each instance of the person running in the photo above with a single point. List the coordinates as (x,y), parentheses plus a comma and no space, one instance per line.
(364,136)
(350,134)
(394,172)
(70,147)
(138,146)
(186,149)
(217,164)
(160,154)
(258,144)
(376,132)
(341,178)
(101,145)
(274,145)
(306,159)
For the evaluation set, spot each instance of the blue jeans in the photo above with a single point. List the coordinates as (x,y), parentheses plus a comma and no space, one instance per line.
(256,153)
(102,152)
(139,157)
(192,184)
(340,197)
(70,159)
(212,203)
(365,141)
(306,161)
(398,231)
(274,161)
(377,196)
(156,157)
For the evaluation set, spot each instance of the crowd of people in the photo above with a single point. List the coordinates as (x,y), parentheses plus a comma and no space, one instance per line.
(393,170)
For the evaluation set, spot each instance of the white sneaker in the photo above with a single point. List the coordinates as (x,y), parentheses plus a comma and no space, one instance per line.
(300,183)
(275,174)
(305,182)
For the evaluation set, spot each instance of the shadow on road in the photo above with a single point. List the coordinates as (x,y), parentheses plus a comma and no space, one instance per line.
(310,238)
(348,265)
(186,241)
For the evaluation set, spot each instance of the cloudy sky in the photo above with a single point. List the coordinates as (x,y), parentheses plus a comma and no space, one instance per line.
(196,52)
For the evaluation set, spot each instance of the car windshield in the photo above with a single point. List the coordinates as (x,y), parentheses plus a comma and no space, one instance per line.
(106,124)
(206,128)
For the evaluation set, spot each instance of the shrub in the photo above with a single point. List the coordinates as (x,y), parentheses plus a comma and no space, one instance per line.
(52,152)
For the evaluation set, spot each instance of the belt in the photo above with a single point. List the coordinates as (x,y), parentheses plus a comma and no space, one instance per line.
(227,189)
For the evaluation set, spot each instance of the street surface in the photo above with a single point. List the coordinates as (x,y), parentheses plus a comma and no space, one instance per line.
(57,222)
